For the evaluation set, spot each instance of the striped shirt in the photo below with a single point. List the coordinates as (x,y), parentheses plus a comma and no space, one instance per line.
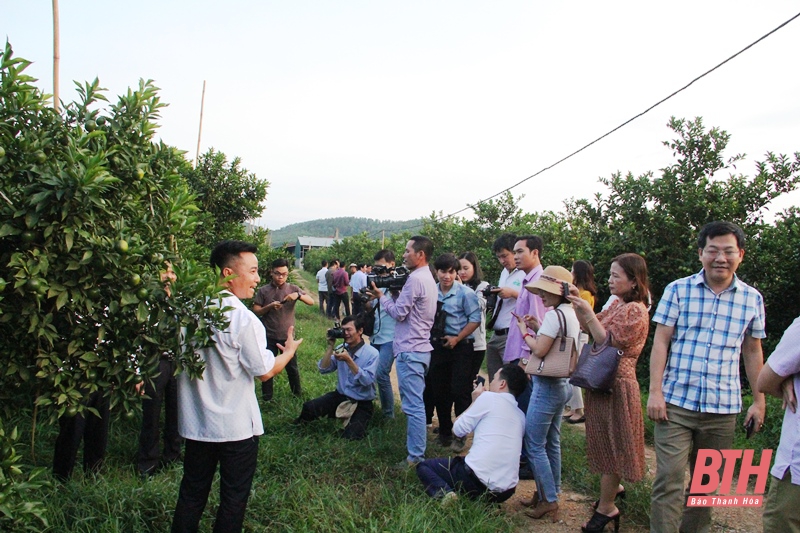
(702,372)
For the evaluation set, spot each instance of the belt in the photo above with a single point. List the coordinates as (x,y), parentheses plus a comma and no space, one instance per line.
(501,332)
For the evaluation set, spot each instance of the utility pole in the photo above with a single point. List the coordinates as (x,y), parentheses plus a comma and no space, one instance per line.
(56,57)
(200,129)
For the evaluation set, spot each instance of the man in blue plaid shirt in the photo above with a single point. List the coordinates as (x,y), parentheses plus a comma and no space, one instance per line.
(704,323)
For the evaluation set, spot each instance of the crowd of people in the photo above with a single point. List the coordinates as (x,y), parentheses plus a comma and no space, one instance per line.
(433,331)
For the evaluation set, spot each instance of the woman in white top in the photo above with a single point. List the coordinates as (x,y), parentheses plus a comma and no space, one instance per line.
(548,395)
(470,275)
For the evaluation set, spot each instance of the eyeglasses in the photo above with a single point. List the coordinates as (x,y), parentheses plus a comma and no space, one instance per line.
(279,274)
(714,253)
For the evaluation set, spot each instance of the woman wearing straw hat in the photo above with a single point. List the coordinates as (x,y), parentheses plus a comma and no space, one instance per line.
(549,395)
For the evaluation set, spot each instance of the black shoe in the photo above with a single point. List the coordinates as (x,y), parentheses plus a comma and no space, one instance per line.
(599,522)
(620,495)
(445,440)
(525,473)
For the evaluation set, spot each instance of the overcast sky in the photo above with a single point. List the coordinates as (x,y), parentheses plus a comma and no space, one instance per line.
(393,110)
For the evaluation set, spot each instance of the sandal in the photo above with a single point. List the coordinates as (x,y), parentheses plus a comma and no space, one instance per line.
(599,522)
(621,495)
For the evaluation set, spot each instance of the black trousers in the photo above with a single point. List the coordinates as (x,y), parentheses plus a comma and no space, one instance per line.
(292,372)
(162,391)
(357,305)
(339,299)
(326,405)
(237,465)
(449,383)
(86,426)
(323,301)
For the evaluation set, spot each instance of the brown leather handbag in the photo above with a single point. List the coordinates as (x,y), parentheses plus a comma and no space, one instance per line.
(560,359)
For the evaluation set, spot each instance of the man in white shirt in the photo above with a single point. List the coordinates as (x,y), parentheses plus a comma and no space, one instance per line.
(322,287)
(219,415)
(491,467)
(509,286)
(358,281)
(780,377)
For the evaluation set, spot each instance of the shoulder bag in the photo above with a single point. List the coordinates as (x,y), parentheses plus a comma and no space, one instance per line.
(597,366)
(560,359)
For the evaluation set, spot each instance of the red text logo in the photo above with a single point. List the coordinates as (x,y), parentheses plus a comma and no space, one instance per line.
(706,478)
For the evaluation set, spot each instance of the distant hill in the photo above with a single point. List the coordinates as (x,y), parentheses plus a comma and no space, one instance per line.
(347,226)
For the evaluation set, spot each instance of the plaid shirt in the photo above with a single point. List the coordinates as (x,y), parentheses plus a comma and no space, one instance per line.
(702,372)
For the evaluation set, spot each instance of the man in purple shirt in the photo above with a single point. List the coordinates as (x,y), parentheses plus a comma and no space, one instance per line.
(339,292)
(528,258)
(413,310)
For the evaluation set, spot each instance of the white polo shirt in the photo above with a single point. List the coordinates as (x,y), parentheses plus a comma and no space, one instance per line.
(499,427)
(222,406)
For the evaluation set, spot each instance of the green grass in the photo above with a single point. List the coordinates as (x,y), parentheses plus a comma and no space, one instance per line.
(307,478)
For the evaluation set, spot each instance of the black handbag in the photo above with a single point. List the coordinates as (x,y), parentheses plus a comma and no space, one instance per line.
(597,367)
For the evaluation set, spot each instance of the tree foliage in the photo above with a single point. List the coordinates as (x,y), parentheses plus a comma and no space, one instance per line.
(91,209)
(227,195)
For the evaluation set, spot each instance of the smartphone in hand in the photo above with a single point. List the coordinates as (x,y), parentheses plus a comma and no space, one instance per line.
(479,380)
(750,427)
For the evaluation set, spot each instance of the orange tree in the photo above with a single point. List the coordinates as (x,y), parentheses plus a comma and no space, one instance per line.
(90,209)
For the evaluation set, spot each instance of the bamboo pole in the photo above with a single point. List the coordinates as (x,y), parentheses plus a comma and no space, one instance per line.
(56,57)
(200,129)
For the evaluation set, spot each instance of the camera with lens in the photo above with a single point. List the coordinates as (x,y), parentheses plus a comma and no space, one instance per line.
(491,295)
(391,279)
(361,296)
(336,332)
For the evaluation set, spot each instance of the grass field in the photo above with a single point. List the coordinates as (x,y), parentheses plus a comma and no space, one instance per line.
(307,478)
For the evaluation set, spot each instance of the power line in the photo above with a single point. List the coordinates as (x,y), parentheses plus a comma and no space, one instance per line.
(579,150)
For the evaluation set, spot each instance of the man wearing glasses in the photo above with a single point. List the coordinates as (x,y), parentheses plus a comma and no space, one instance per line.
(705,323)
(274,305)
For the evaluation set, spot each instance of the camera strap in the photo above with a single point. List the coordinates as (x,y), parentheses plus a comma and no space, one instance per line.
(495,314)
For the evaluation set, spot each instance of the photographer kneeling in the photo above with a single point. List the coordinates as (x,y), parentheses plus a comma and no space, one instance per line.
(356,363)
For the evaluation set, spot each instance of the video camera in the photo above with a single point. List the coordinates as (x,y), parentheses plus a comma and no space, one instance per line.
(385,277)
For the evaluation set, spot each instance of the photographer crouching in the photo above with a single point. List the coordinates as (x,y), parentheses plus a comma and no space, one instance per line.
(355,364)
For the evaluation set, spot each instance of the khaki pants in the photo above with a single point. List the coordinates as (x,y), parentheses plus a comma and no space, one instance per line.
(782,512)
(494,353)
(676,442)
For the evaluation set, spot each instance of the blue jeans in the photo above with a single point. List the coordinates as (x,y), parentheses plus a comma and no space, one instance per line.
(411,369)
(385,392)
(543,433)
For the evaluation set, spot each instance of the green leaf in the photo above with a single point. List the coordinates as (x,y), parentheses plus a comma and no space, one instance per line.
(142,312)
(62,299)
(90,357)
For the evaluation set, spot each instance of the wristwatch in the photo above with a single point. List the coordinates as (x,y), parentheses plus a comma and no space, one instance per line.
(525,362)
